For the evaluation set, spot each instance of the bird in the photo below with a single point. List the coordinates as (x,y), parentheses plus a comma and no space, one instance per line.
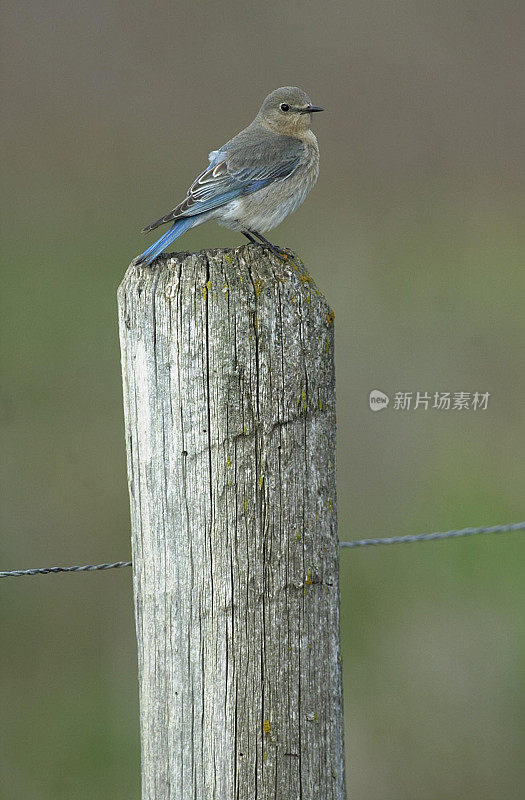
(253,181)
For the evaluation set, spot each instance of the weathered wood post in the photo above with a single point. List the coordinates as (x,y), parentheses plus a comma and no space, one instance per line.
(228,371)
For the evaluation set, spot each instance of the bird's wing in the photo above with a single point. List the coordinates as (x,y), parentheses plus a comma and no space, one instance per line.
(233,172)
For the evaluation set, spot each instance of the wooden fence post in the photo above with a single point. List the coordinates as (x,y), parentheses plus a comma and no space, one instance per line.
(228,373)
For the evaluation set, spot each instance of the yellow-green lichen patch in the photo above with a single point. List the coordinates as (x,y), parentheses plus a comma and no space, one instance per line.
(257,285)
(205,289)
(267,728)
(304,277)
(296,257)
(330,317)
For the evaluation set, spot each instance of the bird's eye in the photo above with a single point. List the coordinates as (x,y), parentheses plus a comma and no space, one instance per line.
(284,107)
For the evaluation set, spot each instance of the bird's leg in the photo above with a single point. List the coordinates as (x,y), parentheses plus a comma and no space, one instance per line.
(278,251)
(250,237)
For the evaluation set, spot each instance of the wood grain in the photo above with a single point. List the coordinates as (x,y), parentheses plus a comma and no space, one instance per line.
(228,375)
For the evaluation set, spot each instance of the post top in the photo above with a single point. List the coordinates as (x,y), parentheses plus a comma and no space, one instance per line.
(248,269)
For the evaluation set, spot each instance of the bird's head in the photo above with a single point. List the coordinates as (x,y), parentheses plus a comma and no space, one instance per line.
(287,110)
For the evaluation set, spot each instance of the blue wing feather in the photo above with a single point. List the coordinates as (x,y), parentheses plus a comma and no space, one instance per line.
(227,178)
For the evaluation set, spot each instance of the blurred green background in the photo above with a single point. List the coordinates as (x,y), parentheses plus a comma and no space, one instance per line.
(415,233)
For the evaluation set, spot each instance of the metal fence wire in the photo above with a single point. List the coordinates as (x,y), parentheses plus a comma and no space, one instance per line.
(408,539)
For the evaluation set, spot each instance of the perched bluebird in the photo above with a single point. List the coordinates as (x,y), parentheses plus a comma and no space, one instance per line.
(253,181)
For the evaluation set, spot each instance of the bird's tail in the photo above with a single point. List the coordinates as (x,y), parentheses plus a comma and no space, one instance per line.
(179,227)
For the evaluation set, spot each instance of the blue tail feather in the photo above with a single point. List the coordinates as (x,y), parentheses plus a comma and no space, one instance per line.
(179,227)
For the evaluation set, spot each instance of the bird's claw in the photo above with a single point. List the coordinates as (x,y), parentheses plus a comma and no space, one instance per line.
(283,253)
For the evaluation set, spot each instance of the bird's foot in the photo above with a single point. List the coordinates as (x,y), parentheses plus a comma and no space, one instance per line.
(284,254)
(281,253)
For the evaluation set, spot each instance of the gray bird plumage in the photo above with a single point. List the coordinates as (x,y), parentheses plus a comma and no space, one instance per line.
(254,180)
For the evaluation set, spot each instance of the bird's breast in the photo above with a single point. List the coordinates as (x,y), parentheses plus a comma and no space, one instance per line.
(266,208)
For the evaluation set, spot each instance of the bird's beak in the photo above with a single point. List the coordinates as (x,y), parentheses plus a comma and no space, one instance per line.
(310,109)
